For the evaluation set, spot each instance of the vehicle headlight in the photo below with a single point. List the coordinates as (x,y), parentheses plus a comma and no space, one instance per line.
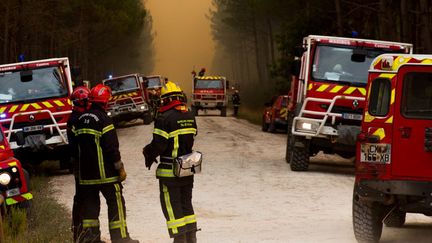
(142,107)
(109,113)
(307,126)
(5,178)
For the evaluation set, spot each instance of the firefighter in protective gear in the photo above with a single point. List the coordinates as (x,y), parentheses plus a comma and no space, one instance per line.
(80,102)
(100,170)
(173,136)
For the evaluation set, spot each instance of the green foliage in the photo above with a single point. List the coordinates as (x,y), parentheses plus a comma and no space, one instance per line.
(45,221)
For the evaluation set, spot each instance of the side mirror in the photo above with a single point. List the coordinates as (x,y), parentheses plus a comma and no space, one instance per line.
(359,55)
(295,67)
(26,75)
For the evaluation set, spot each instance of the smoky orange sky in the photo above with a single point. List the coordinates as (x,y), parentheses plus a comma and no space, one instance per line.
(182,38)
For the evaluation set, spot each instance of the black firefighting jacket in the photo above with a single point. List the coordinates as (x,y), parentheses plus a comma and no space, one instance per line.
(98,147)
(173,136)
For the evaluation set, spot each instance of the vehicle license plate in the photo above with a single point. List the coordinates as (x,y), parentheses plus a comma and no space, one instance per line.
(12,192)
(350,116)
(33,128)
(375,153)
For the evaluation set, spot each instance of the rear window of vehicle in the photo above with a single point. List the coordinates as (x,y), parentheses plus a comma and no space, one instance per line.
(417,95)
(208,84)
(379,102)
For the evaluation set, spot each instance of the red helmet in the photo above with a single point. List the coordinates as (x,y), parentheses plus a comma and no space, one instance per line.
(100,94)
(80,96)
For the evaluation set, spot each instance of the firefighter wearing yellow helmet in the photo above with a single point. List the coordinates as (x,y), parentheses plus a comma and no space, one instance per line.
(173,136)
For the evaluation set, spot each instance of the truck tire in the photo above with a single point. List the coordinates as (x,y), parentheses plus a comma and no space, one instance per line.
(264,126)
(395,218)
(367,220)
(223,111)
(299,156)
(147,118)
(272,127)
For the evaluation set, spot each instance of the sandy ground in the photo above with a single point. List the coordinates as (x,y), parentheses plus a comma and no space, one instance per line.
(246,192)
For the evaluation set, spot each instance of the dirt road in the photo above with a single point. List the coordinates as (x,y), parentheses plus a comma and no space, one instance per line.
(246,193)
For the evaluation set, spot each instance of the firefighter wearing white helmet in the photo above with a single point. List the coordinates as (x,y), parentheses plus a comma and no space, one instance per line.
(173,136)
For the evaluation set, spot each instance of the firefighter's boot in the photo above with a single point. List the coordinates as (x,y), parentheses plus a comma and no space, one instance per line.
(125,240)
(191,237)
(180,238)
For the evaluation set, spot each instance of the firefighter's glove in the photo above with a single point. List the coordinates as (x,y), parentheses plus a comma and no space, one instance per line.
(120,168)
(149,157)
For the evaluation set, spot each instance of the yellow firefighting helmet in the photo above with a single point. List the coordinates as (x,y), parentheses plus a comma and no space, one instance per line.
(171,92)
(170,87)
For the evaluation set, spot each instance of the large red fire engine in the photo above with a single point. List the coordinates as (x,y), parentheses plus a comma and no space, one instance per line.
(327,95)
(14,180)
(35,107)
(394,148)
(209,93)
(128,99)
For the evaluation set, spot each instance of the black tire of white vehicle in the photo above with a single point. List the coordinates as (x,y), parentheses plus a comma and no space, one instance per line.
(396,218)
(367,220)
(223,111)
(299,156)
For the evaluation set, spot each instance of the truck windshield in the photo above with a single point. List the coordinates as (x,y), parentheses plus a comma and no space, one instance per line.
(208,84)
(154,82)
(123,84)
(42,83)
(333,63)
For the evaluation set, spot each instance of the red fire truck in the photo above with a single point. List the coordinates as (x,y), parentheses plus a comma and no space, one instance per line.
(35,107)
(128,101)
(327,95)
(209,93)
(14,180)
(394,148)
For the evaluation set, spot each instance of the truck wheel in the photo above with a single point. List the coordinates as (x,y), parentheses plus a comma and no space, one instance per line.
(367,220)
(147,118)
(223,111)
(272,127)
(299,156)
(396,218)
(290,139)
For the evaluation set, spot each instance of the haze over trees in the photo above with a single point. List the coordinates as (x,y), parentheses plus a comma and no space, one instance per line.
(255,38)
(99,36)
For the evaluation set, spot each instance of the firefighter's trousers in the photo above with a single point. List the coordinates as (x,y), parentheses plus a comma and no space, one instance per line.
(77,210)
(176,202)
(116,212)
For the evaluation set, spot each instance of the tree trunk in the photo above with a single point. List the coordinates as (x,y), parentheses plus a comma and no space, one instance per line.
(425,25)
(404,22)
(338,17)
(6,33)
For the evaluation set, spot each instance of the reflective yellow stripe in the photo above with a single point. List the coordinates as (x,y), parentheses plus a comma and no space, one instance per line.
(380,133)
(11,163)
(349,90)
(10,201)
(175,148)
(393,94)
(47,104)
(58,102)
(27,195)
(24,107)
(2,147)
(310,86)
(100,158)
(368,117)
(107,128)
(2,109)
(36,106)
(164,172)
(190,219)
(387,75)
(99,181)
(427,61)
(13,108)
(323,87)
(362,91)
(120,211)
(174,224)
(88,131)
(182,132)
(336,89)
(87,223)
(161,133)
(169,207)
(390,120)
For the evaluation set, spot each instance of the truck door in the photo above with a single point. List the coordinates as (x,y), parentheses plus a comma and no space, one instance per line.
(412,118)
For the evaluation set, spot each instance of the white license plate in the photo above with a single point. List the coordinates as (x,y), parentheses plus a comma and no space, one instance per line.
(12,192)
(375,153)
(350,116)
(33,128)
